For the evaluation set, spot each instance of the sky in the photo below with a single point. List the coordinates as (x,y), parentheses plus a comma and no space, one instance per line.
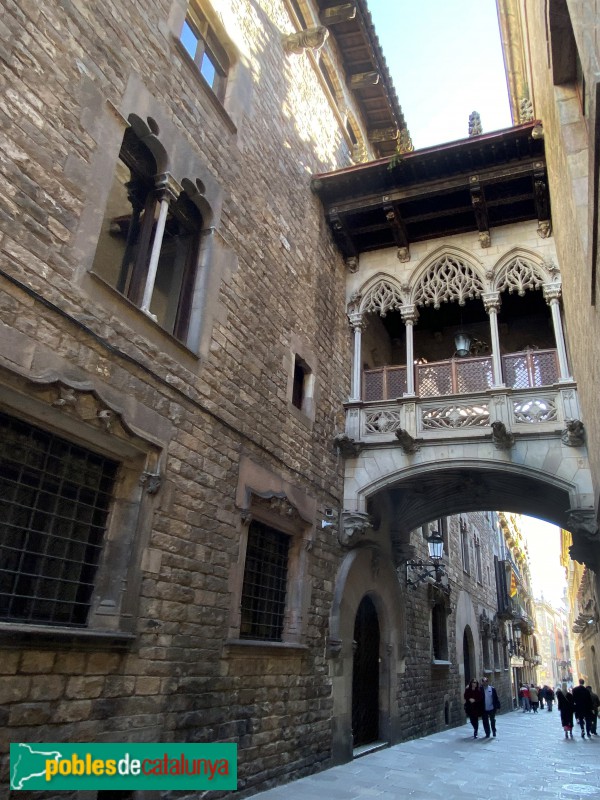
(445,60)
(543,544)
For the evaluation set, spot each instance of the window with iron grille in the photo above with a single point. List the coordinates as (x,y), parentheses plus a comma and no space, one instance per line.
(265,583)
(55,499)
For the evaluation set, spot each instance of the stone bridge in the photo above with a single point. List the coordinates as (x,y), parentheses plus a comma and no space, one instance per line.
(411,461)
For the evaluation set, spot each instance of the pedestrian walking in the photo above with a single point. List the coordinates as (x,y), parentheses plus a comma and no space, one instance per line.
(524,695)
(582,701)
(565,707)
(549,695)
(534,698)
(595,710)
(491,704)
(474,705)
(541,695)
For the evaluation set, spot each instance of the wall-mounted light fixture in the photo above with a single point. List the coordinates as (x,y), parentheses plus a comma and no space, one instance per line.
(419,571)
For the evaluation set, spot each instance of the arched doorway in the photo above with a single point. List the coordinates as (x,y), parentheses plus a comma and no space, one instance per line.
(365,675)
(468,656)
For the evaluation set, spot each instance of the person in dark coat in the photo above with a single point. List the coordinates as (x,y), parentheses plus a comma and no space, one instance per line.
(582,700)
(565,707)
(474,705)
(491,704)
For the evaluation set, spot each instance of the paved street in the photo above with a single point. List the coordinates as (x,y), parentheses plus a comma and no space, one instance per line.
(530,760)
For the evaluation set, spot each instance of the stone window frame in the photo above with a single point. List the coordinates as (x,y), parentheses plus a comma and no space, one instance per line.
(464,546)
(78,413)
(301,354)
(209,47)
(267,498)
(233,97)
(141,142)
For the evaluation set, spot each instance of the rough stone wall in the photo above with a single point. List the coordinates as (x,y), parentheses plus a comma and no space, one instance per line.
(570,157)
(427,688)
(66,70)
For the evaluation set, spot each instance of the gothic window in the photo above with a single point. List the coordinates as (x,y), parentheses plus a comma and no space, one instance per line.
(264,589)
(439,633)
(148,246)
(478,566)
(464,546)
(55,499)
(203,46)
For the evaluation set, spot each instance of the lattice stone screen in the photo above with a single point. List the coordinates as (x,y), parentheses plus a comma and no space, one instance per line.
(434,380)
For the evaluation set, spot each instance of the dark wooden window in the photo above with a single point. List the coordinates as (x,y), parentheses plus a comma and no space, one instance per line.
(439,632)
(204,48)
(127,237)
(301,373)
(265,583)
(55,498)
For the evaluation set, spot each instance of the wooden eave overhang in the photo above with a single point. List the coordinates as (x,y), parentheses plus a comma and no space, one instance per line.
(473,184)
(362,55)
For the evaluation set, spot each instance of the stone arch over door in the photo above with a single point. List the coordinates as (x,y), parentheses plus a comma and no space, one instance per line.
(468,655)
(365,571)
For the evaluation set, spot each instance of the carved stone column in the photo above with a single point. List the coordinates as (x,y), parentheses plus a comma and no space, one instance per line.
(552,293)
(167,189)
(358,324)
(491,302)
(409,316)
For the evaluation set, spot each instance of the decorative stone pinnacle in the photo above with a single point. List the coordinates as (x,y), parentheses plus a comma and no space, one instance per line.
(475,128)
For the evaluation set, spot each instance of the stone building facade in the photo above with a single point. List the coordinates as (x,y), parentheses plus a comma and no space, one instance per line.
(175,367)
(190,397)
(552,55)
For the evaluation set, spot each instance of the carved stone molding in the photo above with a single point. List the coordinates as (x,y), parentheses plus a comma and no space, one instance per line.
(583,521)
(272,503)
(354,527)
(352,264)
(485,240)
(310,39)
(403,254)
(448,279)
(333,647)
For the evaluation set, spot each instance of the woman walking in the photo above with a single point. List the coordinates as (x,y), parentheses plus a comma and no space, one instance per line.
(566,708)
(474,705)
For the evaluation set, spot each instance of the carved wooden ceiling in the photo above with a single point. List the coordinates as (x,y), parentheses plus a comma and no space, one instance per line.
(473,184)
(366,70)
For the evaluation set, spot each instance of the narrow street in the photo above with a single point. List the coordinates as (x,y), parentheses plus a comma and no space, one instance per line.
(529,760)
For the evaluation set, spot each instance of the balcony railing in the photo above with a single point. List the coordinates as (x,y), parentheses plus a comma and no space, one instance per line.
(527,370)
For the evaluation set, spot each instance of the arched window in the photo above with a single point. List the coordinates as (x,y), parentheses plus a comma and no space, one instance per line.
(148,245)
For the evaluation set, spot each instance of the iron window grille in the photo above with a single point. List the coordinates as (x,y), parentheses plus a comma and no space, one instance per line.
(55,498)
(265,583)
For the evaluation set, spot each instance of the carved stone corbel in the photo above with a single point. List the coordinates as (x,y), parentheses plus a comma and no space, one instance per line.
(151,482)
(574,433)
(407,442)
(347,447)
(501,437)
(354,525)
(310,39)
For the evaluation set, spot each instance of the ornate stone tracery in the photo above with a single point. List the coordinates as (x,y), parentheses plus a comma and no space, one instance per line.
(446,280)
(519,275)
(384,296)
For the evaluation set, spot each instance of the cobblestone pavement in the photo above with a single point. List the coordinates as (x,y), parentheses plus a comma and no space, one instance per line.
(530,760)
